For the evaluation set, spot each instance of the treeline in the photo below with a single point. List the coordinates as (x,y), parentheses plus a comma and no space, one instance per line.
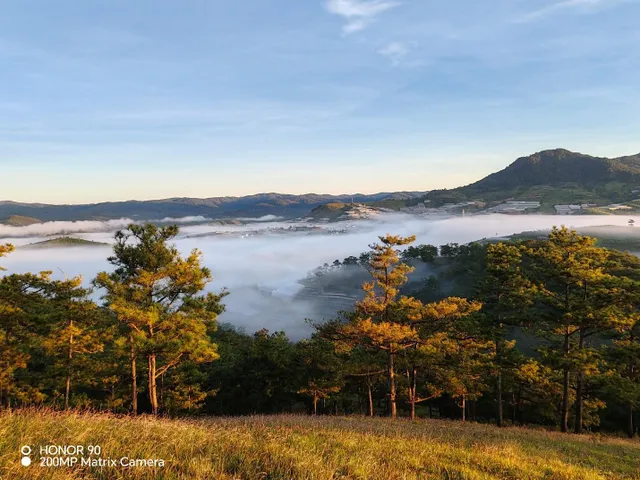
(545,333)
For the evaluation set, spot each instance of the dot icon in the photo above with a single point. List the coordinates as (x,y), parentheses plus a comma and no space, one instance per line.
(25,450)
(26,461)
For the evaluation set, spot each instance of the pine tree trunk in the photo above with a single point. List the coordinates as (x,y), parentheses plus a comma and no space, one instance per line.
(393,411)
(464,408)
(579,392)
(67,390)
(370,394)
(153,388)
(315,405)
(414,391)
(134,380)
(564,423)
(499,399)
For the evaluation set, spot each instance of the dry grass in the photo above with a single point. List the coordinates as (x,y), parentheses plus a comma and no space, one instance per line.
(291,447)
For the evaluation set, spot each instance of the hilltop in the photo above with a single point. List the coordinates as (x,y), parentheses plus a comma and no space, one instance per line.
(303,447)
(66,242)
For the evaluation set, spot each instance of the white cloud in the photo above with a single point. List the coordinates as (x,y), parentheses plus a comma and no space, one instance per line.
(358,13)
(395,51)
(585,5)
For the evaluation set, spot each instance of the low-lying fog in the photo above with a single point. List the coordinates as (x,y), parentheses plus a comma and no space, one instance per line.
(262,271)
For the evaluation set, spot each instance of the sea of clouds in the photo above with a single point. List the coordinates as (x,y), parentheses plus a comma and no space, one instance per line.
(262,272)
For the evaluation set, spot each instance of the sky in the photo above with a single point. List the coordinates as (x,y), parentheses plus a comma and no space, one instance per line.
(118,99)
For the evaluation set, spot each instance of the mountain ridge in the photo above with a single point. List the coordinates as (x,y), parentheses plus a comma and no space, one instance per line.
(554,176)
(252,206)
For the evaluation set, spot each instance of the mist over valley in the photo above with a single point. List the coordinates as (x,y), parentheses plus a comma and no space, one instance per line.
(268,265)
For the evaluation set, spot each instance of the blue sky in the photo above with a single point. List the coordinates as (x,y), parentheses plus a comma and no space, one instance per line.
(121,99)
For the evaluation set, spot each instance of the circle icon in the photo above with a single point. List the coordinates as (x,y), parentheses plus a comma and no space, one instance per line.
(26,450)
(26,461)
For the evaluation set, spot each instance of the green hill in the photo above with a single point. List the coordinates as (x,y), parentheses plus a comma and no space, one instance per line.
(553,177)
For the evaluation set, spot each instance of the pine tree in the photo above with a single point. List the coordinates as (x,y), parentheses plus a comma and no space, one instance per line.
(623,355)
(444,332)
(505,294)
(23,313)
(5,250)
(72,336)
(157,295)
(320,368)
(367,366)
(382,320)
(569,270)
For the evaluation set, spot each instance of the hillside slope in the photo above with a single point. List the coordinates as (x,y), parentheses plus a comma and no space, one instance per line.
(302,447)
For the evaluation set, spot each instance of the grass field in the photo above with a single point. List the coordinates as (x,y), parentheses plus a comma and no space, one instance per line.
(295,447)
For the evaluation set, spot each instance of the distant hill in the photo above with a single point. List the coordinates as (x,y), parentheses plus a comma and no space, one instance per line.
(66,242)
(20,221)
(336,211)
(252,206)
(552,177)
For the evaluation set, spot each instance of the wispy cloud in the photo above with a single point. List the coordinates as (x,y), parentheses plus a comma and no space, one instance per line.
(399,54)
(359,14)
(566,5)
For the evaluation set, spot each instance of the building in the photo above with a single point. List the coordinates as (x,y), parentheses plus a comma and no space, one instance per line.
(567,209)
(514,206)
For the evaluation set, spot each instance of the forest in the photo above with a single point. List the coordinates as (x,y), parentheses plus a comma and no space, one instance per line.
(541,331)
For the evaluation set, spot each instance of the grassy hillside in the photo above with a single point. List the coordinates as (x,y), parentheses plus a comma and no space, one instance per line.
(290,447)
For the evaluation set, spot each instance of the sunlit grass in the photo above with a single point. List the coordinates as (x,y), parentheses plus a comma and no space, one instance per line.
(297,447)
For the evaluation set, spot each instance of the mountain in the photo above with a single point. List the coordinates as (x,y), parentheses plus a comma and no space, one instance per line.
(552,177)
(558,167)
(251,206)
